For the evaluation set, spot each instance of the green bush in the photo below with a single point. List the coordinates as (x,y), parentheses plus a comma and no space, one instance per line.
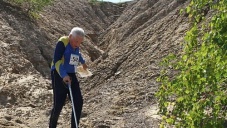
(197,96)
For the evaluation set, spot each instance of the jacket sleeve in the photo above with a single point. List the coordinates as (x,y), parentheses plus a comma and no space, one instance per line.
(58,61)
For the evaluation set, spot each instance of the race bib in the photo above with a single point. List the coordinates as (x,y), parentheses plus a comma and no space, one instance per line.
(74,60)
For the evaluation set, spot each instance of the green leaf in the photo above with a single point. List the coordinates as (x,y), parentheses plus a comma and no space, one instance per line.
(170,120)
(188,9)
(180,99)
(187,91)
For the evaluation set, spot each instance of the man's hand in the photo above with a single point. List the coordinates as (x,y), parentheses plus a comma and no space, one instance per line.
(84,66)
(67,80)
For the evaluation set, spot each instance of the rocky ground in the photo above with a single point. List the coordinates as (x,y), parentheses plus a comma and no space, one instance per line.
(123,48)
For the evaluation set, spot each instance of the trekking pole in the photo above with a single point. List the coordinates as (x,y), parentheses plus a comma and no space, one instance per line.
(71,96)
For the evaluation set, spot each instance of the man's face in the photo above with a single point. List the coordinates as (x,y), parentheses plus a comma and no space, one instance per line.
(76,41)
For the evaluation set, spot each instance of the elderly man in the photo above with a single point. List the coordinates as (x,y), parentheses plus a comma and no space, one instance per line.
(66,59)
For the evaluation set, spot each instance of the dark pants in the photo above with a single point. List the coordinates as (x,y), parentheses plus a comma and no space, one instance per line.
(60,91)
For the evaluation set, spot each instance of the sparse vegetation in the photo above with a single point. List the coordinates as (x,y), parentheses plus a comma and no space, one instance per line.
(31,6)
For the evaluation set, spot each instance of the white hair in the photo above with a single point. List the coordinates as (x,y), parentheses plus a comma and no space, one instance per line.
(77,31)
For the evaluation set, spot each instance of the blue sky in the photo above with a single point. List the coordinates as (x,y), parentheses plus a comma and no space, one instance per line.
(117,1)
